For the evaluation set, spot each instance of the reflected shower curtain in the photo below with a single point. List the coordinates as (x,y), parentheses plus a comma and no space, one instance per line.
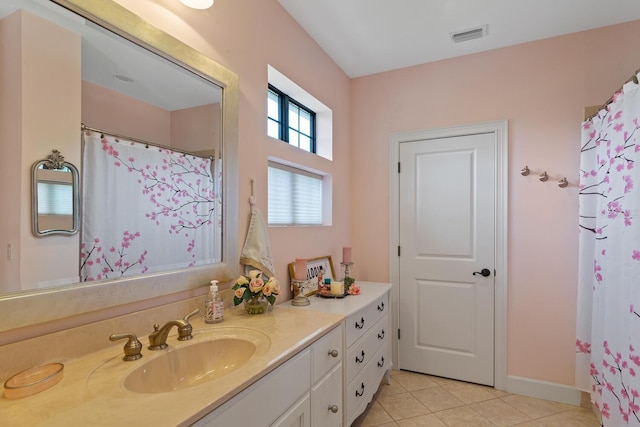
(608,323)
(145,209)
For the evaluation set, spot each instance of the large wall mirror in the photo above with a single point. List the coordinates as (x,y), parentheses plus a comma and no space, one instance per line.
(80,72)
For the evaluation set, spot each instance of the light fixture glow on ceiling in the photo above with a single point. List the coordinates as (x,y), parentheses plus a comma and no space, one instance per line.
(197,4)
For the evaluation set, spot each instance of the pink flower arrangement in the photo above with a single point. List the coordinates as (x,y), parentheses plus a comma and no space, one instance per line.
(255,286)
(354,289)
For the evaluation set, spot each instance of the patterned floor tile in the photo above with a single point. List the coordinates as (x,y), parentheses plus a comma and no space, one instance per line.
(500,413)
(463,416)
(401,406)
(412,381)
(437,398)
(416,400)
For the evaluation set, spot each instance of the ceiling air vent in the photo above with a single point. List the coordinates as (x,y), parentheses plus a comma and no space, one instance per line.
(466,35)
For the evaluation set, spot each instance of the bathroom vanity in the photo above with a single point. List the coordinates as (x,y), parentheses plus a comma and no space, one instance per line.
(305,390)
(332,381)
(308,368)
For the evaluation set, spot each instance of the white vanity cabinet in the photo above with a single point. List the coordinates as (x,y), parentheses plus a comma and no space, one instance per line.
(304,391)
(367,343)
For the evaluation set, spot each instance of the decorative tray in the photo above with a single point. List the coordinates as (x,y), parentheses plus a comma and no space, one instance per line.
(330,295)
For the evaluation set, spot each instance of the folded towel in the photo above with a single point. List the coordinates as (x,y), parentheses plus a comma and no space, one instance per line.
(256,252)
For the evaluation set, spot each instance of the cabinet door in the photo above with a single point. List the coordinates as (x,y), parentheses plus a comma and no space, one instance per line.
(297,416)
(326,397)
(281,389)
(326,353)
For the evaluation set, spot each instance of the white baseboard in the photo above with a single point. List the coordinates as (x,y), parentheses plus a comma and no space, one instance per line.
(544,390)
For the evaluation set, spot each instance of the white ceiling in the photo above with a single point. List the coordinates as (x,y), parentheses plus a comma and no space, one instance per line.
(370,36)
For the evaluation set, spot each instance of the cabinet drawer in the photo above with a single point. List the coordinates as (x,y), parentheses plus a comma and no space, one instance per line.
(361,390)
(362,320)
(364,349)
(326,353)
(325,396)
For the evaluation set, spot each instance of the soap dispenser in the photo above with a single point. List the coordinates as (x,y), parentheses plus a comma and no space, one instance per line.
(213,305)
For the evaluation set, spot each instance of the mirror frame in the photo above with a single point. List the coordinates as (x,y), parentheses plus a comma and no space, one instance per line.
(56,162)
(24,309)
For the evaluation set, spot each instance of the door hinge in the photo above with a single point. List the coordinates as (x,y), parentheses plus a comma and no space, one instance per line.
(398,250)
(398,333)
(398,167)
(494,272)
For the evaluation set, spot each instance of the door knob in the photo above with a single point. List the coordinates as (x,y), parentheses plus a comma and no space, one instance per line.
(485,272)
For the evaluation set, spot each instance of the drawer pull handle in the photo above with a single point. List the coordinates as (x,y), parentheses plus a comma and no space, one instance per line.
(381,362)
(333,408)
(361,392)
(360,360)
(361,324)
(381,306)
(381,335)
(333,353)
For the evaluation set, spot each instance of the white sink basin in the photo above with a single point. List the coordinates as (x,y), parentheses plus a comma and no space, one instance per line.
(211,354)
(190,365)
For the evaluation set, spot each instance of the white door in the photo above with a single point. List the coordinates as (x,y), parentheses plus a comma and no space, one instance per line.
(447,238)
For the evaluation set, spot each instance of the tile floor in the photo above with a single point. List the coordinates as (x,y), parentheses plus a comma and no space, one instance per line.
(422,400)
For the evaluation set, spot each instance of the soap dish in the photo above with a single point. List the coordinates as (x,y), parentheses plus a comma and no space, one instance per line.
(33,380)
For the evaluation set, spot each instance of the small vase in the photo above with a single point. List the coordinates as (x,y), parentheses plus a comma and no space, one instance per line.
(256,305)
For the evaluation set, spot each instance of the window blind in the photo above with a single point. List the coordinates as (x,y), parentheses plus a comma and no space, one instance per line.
(295,196)
(55,198)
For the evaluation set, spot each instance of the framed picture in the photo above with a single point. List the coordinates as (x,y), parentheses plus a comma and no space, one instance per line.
(314,267)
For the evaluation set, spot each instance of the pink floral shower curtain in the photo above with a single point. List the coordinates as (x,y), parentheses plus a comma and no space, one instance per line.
(145,209)
(608,324)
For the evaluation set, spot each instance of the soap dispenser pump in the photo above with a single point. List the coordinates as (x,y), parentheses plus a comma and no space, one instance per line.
(213,305)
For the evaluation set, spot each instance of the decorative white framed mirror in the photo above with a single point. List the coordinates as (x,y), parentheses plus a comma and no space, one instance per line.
(55,207)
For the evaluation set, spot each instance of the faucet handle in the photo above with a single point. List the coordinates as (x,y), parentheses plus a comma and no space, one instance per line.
(184,332)
(133,347)
(190,315)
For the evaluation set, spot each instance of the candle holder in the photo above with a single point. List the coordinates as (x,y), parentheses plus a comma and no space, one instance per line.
(298,287)
(348,280)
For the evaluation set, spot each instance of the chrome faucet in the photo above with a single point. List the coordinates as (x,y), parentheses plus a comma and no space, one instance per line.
(158,338)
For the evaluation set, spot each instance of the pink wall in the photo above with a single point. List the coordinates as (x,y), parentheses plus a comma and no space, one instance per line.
(10,138)
(191,129)
(246,36)
(57,89)
(194,129)
(542,89)
(29,96)
(111,111)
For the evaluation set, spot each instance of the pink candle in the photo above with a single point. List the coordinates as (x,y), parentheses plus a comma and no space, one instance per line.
(301,269)
(346,254)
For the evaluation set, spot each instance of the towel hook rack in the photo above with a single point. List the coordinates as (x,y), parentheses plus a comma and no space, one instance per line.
(544,176)
(252,198)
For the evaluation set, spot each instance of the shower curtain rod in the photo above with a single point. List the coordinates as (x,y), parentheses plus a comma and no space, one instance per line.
(633,78)
(146,143)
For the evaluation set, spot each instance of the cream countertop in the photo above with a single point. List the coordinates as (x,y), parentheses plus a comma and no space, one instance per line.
(104,401)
